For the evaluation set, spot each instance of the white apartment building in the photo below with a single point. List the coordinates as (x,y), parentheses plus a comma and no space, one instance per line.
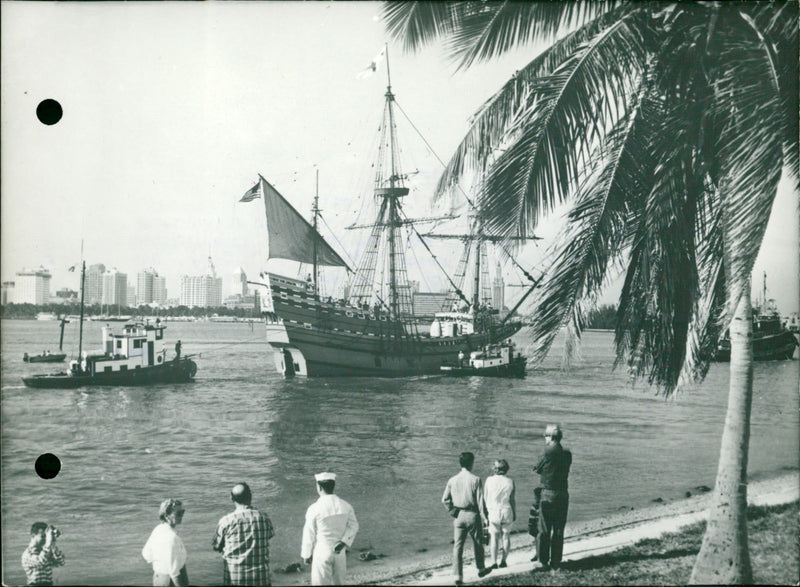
(93,284)
(32,287)
(144,286)
(202,291)
(160,290)
(115,287)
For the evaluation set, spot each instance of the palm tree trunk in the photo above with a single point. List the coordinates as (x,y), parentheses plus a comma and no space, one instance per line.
(724,556)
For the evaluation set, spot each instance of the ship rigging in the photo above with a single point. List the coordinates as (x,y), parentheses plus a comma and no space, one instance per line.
(374,331)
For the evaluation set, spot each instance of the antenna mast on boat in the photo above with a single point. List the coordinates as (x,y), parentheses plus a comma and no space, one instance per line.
(315,211)
(80,323)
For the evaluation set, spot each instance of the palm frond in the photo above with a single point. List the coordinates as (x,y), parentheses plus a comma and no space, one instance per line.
(573,107)
(661,287)
(595,230)
(415,24)
(776,23)
(491,123)
(500,26)
(750,150)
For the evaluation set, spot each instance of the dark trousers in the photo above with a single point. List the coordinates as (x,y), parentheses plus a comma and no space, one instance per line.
(552,519)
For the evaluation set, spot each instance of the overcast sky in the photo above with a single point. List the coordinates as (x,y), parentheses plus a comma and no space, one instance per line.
(171,111)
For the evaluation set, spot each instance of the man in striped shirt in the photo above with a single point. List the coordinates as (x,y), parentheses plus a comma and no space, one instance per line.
(242,537)
(41,555)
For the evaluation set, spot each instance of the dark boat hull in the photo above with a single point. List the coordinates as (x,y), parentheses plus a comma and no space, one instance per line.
(514,369)
(776,347)
(182,371)
(53,358)
(319,339)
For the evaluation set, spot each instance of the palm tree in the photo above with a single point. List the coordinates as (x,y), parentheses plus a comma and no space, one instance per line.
(666,126)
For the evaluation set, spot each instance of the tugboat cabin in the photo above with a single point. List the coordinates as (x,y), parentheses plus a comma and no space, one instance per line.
(491,356)
(133,349)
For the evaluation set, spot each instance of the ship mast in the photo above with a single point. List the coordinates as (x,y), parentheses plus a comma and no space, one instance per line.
(392,195)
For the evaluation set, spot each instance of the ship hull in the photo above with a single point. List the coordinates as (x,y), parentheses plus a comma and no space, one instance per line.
(325,339)
(53,358)
(777,347)
(516,368)
(181,371)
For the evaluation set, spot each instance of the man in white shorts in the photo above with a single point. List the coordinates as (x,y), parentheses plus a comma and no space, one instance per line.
(498,494)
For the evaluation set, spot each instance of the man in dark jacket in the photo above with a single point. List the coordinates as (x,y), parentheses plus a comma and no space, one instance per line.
(553,470)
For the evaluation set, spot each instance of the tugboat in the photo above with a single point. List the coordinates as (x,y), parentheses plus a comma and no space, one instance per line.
(497,360)
(772,341)
(129,358)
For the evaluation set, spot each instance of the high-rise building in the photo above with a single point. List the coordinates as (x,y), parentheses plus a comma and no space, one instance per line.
(144,286)
(150,287)
(239,284)
(8,293)
(93,284)
(130,299)
(159,290)
(115,287)
(32,287)
(202,291)
(498,290)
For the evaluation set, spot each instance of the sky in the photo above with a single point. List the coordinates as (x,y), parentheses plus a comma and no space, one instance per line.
(171,110)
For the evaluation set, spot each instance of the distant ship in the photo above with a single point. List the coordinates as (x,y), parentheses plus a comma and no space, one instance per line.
(373,332)
(772,341)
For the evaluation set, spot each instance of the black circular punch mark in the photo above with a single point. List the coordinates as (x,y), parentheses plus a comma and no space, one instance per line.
(47,465)
(49,111)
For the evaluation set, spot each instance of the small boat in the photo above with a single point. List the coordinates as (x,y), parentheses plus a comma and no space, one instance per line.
(129,358)
(496,360)
(47,356)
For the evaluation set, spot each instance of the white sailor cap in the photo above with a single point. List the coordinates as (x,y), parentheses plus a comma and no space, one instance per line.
(325,477)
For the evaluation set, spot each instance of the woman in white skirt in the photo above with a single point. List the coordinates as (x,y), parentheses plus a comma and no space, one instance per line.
(498,493)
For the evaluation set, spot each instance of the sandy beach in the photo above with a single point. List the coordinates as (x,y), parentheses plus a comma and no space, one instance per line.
(584,538)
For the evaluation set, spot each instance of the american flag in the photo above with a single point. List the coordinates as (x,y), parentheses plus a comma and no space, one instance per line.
(252,193)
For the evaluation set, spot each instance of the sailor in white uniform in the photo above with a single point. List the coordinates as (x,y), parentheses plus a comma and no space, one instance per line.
(330,527)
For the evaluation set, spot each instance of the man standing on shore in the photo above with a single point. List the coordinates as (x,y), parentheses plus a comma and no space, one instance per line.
(42,555)
(553,470)
(330,528)
(463,497)
(242,537)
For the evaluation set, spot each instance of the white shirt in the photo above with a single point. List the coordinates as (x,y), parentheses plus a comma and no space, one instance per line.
(328,521)
(165,550)
(497,493)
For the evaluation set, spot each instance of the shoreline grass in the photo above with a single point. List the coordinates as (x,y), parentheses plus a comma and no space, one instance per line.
(774,539)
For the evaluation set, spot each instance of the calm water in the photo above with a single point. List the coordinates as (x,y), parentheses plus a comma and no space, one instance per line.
(393,444)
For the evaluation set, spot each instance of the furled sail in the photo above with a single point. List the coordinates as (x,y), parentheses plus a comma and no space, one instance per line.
(290,236)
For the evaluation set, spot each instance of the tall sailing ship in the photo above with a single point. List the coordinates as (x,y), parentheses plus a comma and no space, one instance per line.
(373,330)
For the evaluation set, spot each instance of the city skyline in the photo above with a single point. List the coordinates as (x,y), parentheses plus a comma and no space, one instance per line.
(172,110)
